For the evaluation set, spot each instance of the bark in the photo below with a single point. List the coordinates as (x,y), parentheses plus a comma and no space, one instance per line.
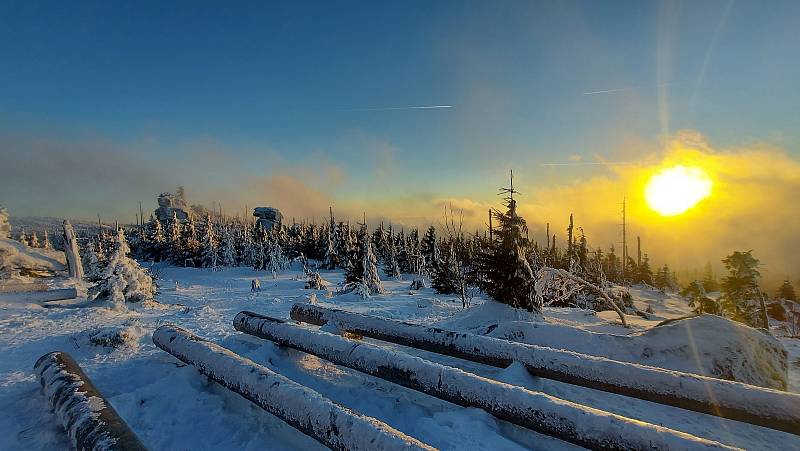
(90,421)
(332,425)
(727,399)
(581,425)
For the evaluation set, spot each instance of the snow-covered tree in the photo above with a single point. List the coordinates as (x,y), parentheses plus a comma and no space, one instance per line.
(23,238)
(208,246)
(191,244)
(362,277)
(174,244)
(740,290)
(786,291)
(446,276)
(430,250)
(46,244)
(505,273)
(123,280)
(699,301)
(93,262)
(331,258)
(34,240)
(228,247)
(156,240)
(391,267)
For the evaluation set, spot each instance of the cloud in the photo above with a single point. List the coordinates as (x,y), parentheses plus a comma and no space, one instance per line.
(751,207)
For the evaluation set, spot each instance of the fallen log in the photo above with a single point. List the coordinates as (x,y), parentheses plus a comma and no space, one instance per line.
(59,294)
(727,399)
(568,421)
(12,287)
(334,426)
(90,421)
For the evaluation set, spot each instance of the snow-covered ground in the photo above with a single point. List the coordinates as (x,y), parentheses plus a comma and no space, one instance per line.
(171,406)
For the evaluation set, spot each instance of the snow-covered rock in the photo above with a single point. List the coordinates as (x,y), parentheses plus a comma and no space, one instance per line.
(268,217)
(17,259)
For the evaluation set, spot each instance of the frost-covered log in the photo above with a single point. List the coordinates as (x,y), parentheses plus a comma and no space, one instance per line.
(71,249)
(733,400)
(585,426)
(335,426)
(90,421)
(40,296)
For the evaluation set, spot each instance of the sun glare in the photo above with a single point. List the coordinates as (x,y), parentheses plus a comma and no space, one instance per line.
(674,190)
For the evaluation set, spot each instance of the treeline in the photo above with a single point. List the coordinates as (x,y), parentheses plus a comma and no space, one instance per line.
(502,261)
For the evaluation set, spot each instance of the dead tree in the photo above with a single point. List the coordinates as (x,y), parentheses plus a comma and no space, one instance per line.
(71,249)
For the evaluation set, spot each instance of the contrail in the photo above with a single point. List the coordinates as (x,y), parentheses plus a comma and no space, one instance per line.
(593,163)
(631,88)
(416,107)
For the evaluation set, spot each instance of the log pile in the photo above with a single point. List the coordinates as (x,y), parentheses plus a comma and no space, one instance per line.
(571,422)
(332,425)
(732,400)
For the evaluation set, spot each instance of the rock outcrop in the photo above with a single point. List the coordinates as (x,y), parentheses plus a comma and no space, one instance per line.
(169,203)
(268,217)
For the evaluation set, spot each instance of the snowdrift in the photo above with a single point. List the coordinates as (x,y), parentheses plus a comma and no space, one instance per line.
(708,345)
(18,259)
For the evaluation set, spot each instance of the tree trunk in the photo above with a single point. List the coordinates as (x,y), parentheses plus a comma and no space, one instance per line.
(71,249)
(733,400)
(90,425)
(40,296)
(581,425)
(332,425)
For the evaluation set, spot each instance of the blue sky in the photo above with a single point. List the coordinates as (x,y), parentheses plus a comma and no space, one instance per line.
(225,93)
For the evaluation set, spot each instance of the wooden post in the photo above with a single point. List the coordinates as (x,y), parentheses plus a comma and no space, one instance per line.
(568,421)
(727,399)
(90,421)
(71,249)
(334,426)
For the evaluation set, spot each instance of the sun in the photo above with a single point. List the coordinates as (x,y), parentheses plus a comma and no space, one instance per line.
(672,191)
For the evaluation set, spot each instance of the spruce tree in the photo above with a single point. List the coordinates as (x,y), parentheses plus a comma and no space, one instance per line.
(391,267)
(174,244)
(123,280)
(191,245)
(156,240)
(362,276)
(506,275)
(445,279)
(740,290)
(46,244)
(34,240)
(698,299)
(209,248)
(644,273)
(429,250)
(228,247)
(786,291)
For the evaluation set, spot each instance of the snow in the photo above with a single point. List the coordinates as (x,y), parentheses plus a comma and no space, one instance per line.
(707,345)
(167,402)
